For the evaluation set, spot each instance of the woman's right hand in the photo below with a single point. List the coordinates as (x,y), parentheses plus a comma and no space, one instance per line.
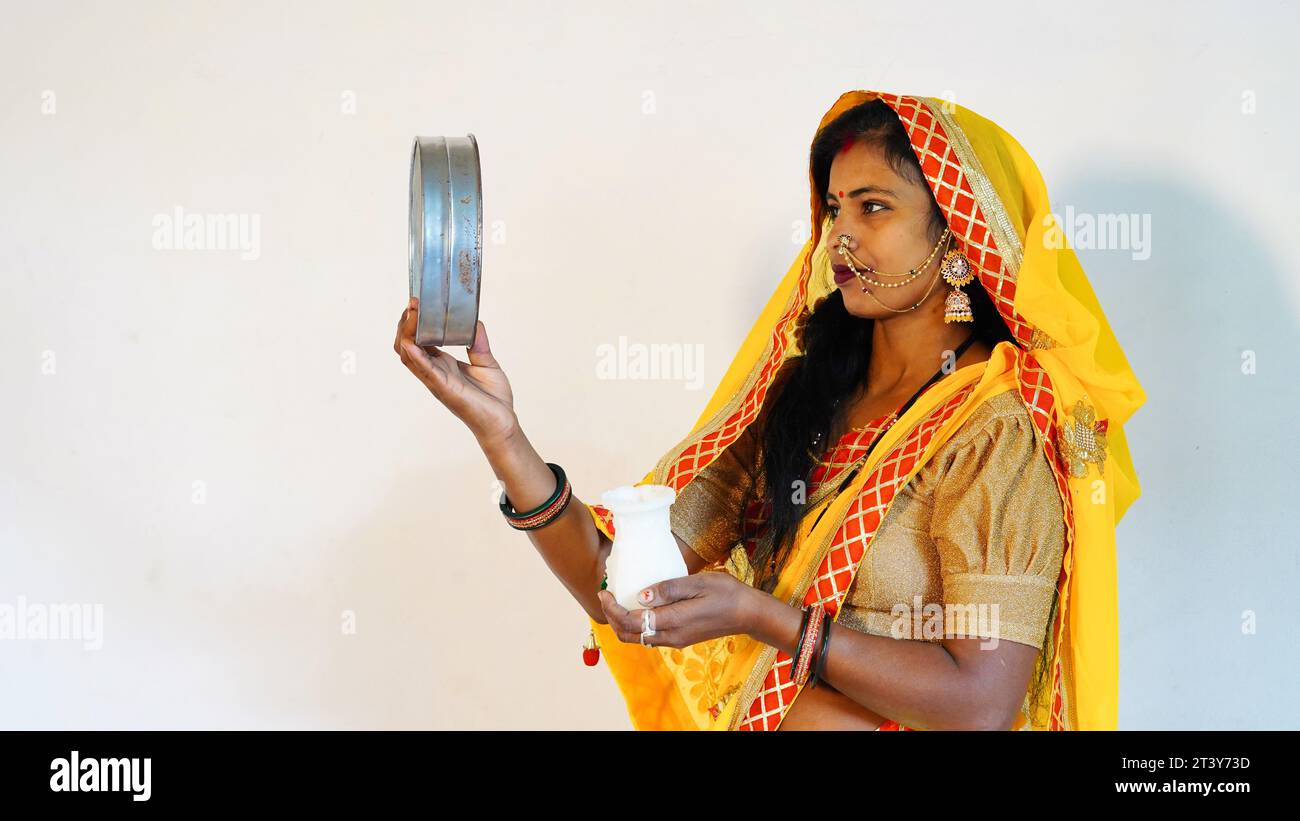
(477,392)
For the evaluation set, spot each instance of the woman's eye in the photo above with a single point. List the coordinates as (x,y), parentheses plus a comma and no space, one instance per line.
(832,211)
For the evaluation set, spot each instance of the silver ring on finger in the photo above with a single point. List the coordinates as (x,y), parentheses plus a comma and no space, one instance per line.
(647,629)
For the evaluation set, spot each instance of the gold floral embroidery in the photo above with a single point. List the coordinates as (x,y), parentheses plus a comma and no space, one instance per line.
(1040,339)
(702,665)
(706,670)
(716,709)
(738,565)
(1083,441)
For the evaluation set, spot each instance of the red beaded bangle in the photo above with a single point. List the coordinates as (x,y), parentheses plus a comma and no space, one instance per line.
(809,646)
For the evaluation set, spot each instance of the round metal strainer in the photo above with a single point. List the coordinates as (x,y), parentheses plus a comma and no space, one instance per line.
(446,238)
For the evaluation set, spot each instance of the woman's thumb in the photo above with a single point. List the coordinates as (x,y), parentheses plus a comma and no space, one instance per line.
(480,352)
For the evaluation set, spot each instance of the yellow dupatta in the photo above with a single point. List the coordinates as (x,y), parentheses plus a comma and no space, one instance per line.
(1067,367)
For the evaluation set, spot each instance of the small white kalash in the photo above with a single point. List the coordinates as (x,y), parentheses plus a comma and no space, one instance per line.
(645,551)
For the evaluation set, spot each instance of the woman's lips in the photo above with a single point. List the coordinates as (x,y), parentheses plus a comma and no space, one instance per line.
(842,273)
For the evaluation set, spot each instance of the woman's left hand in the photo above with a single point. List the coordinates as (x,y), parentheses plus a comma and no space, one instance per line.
(687,610)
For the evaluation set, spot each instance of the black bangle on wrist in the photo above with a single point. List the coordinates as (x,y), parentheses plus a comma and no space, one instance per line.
(820,665)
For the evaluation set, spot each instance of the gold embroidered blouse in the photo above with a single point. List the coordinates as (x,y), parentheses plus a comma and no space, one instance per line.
(980,524)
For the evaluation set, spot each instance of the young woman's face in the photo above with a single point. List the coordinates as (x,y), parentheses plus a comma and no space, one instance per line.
(887,218)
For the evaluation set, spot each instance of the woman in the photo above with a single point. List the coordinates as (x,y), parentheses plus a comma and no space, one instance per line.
(907,488)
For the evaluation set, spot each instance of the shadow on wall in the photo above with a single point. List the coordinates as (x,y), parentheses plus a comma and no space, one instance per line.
(1208,323)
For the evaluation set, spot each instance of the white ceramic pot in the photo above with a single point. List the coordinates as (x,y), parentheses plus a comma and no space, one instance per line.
(645,551)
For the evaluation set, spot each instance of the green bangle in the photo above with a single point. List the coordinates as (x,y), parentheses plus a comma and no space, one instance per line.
(509,510)
(547,511)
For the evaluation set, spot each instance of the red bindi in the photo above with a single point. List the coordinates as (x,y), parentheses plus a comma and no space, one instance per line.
(841,195)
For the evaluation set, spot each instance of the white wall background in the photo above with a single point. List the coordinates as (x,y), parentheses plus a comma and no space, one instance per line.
(328,491)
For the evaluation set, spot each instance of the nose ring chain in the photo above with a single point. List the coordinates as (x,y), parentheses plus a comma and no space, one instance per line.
(849,259)
(863,279)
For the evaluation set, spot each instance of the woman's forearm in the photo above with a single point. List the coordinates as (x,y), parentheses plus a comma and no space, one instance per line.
(571,546)
(916,683)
